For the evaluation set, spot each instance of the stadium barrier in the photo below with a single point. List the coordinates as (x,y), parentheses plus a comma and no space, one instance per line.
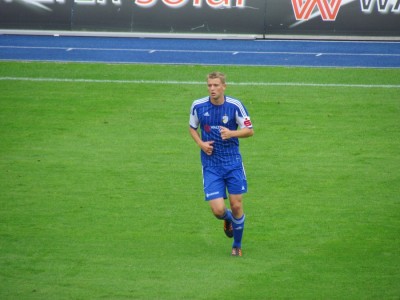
(258,18)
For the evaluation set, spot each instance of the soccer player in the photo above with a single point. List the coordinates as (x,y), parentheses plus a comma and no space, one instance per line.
(222,121)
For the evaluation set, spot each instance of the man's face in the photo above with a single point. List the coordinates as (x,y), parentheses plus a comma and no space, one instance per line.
(216,88)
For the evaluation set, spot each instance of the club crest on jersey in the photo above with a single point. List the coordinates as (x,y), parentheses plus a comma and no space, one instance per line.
(225,119)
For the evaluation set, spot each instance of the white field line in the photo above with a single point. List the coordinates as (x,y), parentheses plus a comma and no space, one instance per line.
(177,82)
(233,52)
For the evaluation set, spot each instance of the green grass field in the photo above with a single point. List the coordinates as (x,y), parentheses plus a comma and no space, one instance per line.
(101,194)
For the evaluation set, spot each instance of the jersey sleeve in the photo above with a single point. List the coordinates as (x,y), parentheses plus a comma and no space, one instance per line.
(193,119)
(243,119)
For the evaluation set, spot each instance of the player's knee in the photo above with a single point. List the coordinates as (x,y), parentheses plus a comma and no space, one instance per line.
(237,213)
(237,208)
(218,212)
(217,207)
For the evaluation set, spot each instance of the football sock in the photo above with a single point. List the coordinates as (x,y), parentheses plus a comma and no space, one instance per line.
(227,215)
(238,226)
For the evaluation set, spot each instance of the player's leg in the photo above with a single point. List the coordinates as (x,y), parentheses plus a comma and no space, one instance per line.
(237,186)
(238,219)
(215,193)
(219,210)
(236,205)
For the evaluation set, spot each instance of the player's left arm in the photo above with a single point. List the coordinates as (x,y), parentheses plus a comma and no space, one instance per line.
(240,133)
(245,129)
(244,124)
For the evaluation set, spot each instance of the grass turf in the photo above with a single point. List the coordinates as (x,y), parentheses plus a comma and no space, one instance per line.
(101,191)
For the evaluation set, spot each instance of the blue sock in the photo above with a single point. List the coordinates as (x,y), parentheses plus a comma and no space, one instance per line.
(227,215)
(238,226)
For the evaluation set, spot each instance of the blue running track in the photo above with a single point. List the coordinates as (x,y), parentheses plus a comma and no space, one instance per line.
(200,51)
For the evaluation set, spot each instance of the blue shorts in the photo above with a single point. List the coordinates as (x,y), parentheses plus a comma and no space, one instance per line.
(217,180)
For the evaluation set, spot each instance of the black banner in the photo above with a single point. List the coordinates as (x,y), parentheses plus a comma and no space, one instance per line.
(257,17)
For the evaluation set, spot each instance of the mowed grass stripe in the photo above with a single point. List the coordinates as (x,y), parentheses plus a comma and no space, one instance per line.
(172,82)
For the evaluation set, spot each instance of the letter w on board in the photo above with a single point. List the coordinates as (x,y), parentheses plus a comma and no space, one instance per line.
(328,9)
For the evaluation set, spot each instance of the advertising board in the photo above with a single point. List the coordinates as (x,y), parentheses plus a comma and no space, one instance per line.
(255,17)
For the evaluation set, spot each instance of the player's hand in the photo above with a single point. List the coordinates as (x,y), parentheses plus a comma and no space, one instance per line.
(225,133)
(207,147)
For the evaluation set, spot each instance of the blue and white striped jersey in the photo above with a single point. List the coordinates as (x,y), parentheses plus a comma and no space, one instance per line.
(231,114)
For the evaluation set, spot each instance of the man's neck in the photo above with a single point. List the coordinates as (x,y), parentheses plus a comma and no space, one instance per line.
(218,101)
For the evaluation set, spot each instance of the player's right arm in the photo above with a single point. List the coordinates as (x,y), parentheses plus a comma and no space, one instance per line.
(194,122)
(207,147)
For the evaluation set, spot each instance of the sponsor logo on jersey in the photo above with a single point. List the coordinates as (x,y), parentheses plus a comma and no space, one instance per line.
(247,122)
(208,128)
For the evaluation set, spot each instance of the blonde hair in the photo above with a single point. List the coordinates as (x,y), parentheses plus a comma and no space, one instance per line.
(214,75)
